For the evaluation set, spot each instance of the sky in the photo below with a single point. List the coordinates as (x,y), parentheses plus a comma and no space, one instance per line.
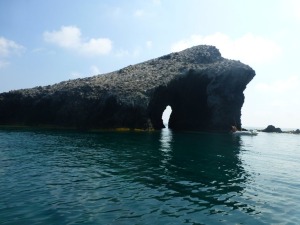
(45,42)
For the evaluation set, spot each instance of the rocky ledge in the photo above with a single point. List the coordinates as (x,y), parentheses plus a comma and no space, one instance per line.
(204,90)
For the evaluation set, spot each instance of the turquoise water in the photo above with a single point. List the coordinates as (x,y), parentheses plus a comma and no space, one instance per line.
(49,177)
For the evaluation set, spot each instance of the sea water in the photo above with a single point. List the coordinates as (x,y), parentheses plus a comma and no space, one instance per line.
(66,177)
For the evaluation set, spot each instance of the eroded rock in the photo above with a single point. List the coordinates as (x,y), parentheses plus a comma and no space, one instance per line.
(204,90)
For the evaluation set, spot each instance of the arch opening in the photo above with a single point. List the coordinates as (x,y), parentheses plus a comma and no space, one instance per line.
(188,98)
(166,116)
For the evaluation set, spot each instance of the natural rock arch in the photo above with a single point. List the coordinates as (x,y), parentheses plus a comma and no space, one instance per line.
(197,103)
(204,90)
(188,100)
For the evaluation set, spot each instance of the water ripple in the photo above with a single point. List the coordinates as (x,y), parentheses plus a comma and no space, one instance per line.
(163,177)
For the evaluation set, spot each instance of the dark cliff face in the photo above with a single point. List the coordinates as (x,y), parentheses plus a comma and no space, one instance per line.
(204,90)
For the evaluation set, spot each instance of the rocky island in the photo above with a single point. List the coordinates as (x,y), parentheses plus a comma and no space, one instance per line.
(273,129)
(204,90)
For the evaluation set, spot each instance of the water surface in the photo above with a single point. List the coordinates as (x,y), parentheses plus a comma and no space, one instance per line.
(51,177)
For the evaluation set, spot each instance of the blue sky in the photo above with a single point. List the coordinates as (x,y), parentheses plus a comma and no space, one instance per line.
(45,42)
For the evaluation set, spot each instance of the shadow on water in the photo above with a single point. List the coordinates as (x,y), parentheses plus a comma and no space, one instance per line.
(205,167)
(202,168)
(178,173)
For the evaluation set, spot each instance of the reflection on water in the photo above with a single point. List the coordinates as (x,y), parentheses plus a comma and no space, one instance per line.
(166,139)
(134,178)
(166,148)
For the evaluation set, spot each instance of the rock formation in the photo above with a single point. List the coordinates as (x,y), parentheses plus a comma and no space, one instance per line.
(296,131)
(204,90)
(272,129)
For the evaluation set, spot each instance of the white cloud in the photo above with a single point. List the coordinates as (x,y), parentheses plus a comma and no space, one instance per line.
(278,103)
(66,37)
(273,102)
(149,44)
(125,53)
(69,37)
(291,8)
(99,46)
(94,70)
(250,49)
(7,49)
(290,84)
(156,2)
(139,13)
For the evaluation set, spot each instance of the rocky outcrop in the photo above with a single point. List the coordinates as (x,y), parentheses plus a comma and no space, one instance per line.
(272,129)
(296,131)
(204,90)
